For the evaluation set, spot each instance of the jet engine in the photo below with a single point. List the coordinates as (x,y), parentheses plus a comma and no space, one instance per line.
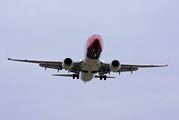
(115,65)
(67,64)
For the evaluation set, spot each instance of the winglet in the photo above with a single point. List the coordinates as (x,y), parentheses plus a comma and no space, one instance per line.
(9,58)
(168,61)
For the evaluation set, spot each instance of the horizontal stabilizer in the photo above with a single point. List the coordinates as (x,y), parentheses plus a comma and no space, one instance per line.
(66,75)
(98,76)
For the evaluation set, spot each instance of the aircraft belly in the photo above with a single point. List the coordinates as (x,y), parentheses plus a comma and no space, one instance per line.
(90,64)
(87,76)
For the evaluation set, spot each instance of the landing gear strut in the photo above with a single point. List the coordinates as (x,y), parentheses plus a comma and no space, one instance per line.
(76,75)
(95,50)
(102,76)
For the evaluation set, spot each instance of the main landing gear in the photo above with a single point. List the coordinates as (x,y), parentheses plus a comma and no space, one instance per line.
(76,75)
(102,76)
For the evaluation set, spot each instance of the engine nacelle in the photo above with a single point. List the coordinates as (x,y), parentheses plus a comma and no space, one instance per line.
(67,64)
(115,65)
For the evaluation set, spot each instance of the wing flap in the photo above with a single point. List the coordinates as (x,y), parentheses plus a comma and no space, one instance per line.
(51,65)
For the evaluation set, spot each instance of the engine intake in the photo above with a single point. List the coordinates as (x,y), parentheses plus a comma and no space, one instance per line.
(115,65)
(67,64)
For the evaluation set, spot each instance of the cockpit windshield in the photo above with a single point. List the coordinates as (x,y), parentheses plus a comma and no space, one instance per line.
(95,36)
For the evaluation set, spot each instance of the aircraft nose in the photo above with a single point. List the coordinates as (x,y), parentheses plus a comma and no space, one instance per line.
(96,41)
(96,45)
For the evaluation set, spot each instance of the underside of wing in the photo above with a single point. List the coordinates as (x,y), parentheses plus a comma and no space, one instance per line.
(46,64)
(52,64)
(134,67)
(35,61)
(141,66)
(105,67)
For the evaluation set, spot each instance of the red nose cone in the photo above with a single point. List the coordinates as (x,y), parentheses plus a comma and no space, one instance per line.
(94,46)
(94,49)
(96,43)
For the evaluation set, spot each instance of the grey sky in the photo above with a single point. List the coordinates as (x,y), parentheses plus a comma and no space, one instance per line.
(141,32)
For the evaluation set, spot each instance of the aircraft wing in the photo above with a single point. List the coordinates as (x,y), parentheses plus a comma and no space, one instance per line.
(52,64)
(134,67)
(105,67)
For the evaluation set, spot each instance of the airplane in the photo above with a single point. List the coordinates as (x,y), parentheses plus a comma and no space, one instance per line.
(87,68)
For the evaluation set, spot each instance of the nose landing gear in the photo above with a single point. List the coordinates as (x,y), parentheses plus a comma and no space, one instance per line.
(95,50)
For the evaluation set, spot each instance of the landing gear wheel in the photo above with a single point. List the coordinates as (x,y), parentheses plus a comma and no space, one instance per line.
(73,76)
(101,77)
(104,77)
(76,75)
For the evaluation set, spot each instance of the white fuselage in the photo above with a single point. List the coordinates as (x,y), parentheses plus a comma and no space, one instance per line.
(91,62)
(89,68)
